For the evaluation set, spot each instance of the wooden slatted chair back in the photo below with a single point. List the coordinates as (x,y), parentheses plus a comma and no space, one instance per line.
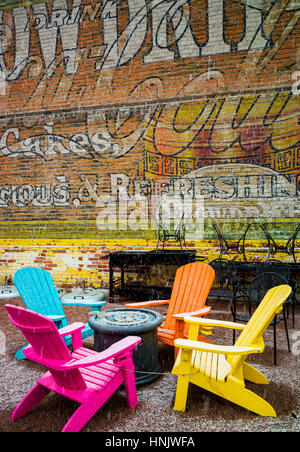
(37,290)
(47,345)
(270,305)
(191,287)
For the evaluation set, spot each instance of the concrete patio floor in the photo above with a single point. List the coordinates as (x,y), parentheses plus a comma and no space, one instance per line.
(154,412)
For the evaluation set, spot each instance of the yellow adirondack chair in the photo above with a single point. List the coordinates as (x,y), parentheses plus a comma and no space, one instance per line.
(222,369)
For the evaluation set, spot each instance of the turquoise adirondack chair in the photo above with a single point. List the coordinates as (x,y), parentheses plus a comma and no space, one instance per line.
(88,377)
(39,294)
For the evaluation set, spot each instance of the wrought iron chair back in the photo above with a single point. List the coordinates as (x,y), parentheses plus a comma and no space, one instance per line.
(257,290)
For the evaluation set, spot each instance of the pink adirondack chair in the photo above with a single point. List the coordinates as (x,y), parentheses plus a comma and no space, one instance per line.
(85,376)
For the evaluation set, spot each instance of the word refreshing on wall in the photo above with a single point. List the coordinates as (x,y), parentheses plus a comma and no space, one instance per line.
(110,109)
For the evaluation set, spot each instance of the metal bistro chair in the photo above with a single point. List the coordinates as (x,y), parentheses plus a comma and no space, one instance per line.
(176,233)
(277,266)
(290,247)
(252,232)
(226,283)
(257,290)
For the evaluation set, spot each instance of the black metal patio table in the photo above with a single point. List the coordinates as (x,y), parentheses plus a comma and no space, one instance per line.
(125,259)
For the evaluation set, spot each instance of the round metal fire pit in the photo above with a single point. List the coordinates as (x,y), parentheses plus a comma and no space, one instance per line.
(115,324)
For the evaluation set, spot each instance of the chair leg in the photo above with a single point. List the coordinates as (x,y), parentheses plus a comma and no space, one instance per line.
(233,312)
(176,351)
(274,339)
(218,299)
(127,368)
(90,407)
(130,386)
(181,393)
(19,354)
(286,330)
(293,301)
(254,375)
(34,396)
(247,399)
(82,415)
(182,369)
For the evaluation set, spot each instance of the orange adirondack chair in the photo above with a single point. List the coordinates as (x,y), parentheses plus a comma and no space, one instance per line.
(190,290)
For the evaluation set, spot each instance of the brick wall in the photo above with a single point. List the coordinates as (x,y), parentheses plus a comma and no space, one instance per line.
(112,112)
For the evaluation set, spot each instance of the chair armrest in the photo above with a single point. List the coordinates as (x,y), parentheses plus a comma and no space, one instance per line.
(95,305)
(56,318)
(84,303)
(122,346)
(202,311)
(74,329)
(212,322)
(212,348)
(71,329)
(145,304)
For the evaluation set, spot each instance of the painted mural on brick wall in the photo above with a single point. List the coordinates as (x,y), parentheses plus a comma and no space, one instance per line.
(120,111)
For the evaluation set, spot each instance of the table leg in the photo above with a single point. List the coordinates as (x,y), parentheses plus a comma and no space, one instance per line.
(111,282)
(122,277)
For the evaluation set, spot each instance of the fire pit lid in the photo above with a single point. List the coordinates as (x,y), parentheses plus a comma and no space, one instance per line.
(86,295)
(131,320)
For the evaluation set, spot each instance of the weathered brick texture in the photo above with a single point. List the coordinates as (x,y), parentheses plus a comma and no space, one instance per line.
(113,111)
